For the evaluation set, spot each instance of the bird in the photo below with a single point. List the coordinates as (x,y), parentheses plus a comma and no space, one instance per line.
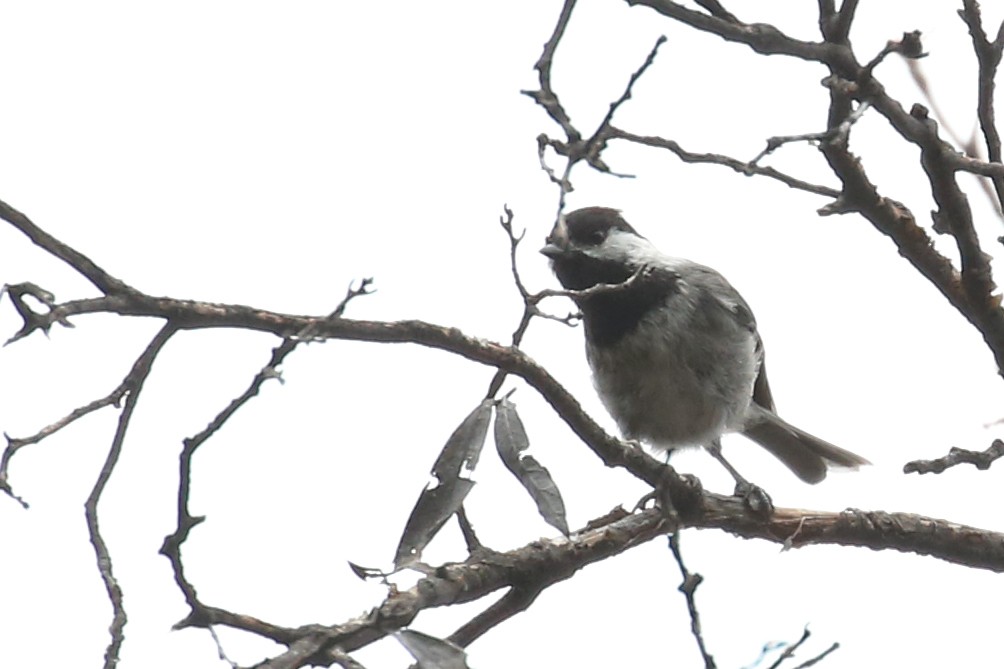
(674,349)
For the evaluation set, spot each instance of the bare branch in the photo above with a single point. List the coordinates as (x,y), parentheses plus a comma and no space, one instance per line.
(735,164)
(530,301)
(980,167)
(344,660)
(640,274)
(819,658)
(688,587)
(909,47)
(219,649)
(548,561)
(517,600)
(988,58)
(790,649)
(310,331)
(715,8)
(957,456)
(574,148)
(467,530)
(101,279)
(189,314)
(761,37)
(14,444)
(973,295)
(844,19)
(30,319)
(827,9)
(971,158)
(595,144)
(839,133)
(171,546)
(529,307)
(971,292)
(134,384)
(544,96)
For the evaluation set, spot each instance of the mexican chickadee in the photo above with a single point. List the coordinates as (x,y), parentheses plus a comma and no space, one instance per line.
(675,353)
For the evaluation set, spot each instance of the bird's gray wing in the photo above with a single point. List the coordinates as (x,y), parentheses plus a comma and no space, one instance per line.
(734,304)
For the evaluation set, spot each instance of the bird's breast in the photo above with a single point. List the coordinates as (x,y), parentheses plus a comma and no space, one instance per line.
(667,387)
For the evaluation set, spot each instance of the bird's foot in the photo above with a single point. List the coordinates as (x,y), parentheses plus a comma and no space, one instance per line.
(634,443)
(649,498)
(754,498)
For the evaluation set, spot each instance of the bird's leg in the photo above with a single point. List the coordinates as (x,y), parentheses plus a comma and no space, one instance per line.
(636,444)
(754,497)
(653,496)
(715,448)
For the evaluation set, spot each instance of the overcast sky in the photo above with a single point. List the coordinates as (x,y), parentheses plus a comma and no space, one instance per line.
(269,154)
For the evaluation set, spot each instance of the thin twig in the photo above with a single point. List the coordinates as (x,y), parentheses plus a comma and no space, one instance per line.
(529,308)
(819,658)
(134,383)
(171,546)
(715,9)
(545,95)
(467,530)
(789,649)
(971,160)
(220,652)
(740,166)
(517,600)
(344,660)
(30,319)
(599,289)
(838,134)
(957,456)
(909,46)
(688,587)
(594,145)
(14,444)
(988,58)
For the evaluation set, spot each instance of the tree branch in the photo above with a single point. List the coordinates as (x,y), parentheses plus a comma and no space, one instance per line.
(536,565)
(740,166)
(957,456)
(545,562)
(171,546)
(134,384)
(688,587)
(101,279)
(988,58)
(545,96)
(761,37)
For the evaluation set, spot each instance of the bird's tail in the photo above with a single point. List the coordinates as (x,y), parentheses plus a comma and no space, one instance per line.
(807,456)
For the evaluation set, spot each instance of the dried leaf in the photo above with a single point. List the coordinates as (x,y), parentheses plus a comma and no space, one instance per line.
(511,441)
(436,504)
(432,652)
(463,447)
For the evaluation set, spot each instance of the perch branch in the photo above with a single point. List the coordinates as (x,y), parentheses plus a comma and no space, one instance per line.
(546,561)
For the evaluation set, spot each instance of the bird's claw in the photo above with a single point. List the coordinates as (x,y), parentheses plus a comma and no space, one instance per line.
(641,504)
(755,499)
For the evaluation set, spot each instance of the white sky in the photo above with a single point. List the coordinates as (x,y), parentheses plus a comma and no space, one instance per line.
(269,154)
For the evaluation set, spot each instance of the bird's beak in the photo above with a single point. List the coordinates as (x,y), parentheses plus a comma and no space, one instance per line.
(552,250)
(557,242)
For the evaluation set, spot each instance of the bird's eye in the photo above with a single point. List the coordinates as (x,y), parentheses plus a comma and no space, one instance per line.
(596,237)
